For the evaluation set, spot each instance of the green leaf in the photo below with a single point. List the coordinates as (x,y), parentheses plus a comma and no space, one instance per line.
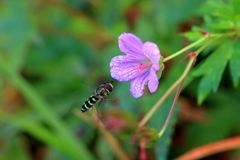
(234,62)
(212,70)
(192,35)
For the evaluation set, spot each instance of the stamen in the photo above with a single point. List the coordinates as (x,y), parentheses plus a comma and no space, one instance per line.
(141,67)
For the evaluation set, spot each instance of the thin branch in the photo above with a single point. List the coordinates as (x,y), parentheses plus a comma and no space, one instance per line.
(172,109)
(215,39)
(117,149)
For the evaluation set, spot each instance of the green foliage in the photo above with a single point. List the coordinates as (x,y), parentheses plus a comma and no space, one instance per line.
(228,14)
(53,55)
(224,16)
(212,75)
(228,52)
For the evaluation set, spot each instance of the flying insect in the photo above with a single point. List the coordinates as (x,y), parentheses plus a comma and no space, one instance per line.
(99,94)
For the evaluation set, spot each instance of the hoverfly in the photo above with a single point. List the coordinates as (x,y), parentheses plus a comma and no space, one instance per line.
(101,92)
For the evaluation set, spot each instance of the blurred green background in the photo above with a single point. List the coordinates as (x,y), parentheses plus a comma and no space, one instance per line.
(53,55)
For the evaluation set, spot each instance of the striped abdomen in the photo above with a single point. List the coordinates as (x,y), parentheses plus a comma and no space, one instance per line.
(89,103)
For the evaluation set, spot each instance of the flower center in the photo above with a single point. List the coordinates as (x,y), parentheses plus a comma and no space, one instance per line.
(141,67)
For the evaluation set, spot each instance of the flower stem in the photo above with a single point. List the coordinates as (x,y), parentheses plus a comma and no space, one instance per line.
(172,109)
(213,40)
(167,93)
(184,49)
(218,36)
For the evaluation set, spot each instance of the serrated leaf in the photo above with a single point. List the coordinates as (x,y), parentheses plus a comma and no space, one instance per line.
(234,63)
(212,70)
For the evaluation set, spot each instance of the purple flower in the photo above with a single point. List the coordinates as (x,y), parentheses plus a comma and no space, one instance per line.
(139,65)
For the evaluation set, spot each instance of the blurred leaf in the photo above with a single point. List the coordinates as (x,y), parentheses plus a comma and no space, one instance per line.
(45,111)
(224,25)
(143,24)
(145,137)
(16,32)
(103,149)
(221,9)
(108,14)
(222,121)
(15,150)
(176,12)
(119,122)
(35,129)
(236,8)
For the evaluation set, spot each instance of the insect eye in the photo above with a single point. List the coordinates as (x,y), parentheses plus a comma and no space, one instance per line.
(108,87)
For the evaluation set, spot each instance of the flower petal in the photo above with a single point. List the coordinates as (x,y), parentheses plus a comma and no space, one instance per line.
(153,53)
(130,44)
(123,68)
(137,85)
(153,81)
